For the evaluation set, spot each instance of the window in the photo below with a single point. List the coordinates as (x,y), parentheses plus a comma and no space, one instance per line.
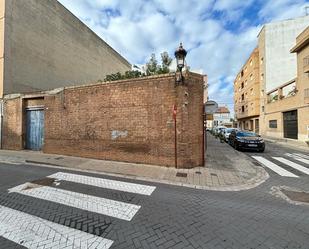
(289,90)
(243,108)
(251,91)
(272,97)
(251,76)
(273,124)
(262,60)
(262,76)
(263,108)
(242,73)
(242,85)
(242,97)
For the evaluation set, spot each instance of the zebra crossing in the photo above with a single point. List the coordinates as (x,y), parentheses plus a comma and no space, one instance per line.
(34,232)
(283,165)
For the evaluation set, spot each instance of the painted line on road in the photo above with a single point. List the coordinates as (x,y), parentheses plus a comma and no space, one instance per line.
(105,183)
(293,165)
(117,209)
(300,159)
(301,155)
(274,167)
(34,232)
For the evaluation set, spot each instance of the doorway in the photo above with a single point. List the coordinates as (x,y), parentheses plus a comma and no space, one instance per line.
(290,124)
(34,128)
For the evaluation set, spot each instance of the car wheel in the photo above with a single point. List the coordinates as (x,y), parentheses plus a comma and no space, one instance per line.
(236,146)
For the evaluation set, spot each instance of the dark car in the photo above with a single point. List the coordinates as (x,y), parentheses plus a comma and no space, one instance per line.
(246,140)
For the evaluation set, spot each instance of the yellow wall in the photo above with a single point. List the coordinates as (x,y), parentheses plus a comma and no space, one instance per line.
(251,91)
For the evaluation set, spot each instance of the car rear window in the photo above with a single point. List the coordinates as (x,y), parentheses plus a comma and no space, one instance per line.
(246,134)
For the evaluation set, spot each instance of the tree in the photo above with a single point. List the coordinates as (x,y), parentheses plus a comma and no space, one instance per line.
(166,62)
(152,68)
(152,65)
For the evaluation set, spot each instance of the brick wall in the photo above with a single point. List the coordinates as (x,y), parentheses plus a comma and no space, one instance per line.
(129,120)
(12,124)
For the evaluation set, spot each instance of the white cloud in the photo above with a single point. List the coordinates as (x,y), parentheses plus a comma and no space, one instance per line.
(283,9)
(138,28)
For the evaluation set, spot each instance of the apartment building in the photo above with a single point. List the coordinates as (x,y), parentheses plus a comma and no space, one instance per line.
(44,46)
(278,97)
(287,106)
(281,93)
(247,94)
(222,117)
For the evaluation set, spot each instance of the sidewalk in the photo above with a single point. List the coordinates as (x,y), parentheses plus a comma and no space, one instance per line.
(289,143)
(226,169)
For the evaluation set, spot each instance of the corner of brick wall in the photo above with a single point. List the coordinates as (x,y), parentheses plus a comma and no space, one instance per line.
(12,125)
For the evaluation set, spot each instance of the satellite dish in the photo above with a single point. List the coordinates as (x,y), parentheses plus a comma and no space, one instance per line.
(210,107)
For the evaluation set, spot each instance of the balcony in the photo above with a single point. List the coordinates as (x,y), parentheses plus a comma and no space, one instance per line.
(306,64)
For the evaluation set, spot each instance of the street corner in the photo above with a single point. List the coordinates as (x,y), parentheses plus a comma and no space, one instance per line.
(293,195)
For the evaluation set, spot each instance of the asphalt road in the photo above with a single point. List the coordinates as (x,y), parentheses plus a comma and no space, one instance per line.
(148,215)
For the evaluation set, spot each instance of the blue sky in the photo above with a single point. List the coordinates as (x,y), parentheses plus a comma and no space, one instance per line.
(218,34)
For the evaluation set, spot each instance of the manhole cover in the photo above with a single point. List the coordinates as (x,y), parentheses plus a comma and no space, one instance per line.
(44,181)
(296,196)
(179,174)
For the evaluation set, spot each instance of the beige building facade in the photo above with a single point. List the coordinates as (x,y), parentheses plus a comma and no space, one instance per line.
(283,109)
(44,46)
(287,107)
(247,94)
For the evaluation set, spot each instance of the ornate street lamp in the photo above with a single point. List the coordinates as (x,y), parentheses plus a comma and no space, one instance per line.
(180,55)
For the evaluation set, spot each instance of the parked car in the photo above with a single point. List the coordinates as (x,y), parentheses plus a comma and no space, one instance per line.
(227,133)
(219,129)
(246,140)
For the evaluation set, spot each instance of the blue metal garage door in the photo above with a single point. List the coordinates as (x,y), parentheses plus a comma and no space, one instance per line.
(35,129)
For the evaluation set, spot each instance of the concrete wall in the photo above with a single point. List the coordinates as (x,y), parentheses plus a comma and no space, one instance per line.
(128,120)
(2,21)
(281,65)
(47,47)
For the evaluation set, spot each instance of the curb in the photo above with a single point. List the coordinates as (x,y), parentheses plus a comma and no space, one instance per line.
(260,177)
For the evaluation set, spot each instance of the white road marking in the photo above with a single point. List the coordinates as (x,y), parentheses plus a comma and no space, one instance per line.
(300,159)
(105,183)
(117,209)
(33,232)
(293,165)
(301,155)
(274,167)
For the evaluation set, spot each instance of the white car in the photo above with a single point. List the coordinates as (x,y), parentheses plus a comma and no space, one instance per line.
(227,133)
